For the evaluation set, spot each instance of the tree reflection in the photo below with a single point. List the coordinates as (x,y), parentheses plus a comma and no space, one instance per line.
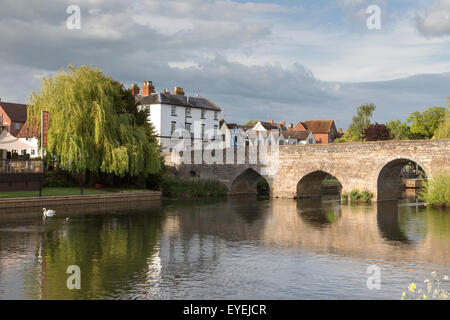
(111,250)
(317,213)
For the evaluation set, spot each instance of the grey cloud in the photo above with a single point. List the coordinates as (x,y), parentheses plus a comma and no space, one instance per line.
(435,22)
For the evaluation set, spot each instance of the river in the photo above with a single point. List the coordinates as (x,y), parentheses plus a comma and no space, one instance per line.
(235,248)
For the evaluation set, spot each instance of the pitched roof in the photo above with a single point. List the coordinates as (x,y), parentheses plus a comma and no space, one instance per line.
(318,126)
(231,125)
(296,134)
(17,112)
(300,127)
(268,125)
(178,100)
(28,131)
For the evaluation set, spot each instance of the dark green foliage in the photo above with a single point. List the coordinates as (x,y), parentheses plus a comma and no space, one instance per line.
(263,187)
(58,179)
(187,188)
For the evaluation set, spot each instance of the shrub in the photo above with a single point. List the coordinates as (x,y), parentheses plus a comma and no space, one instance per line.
(344,196)
(436,191)
(364,195)
(175,187)
(354,195)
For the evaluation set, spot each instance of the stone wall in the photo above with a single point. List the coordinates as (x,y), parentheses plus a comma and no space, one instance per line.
(371,166)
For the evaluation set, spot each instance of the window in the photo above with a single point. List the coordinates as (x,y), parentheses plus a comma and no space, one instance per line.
(188,112)
(17,125)
(32,152)
(188,127)
(203,131)
(310,140)
(174,111)
(23,152)
(215,131)
(203,113)
(172,127)
(215,115)
(1,119)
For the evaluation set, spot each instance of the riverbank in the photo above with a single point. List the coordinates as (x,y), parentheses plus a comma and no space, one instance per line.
(66,191)
(436,191)
(30,201)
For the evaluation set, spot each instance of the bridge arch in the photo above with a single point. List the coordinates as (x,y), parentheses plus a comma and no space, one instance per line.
(388,175)
(311,185)
(246,183)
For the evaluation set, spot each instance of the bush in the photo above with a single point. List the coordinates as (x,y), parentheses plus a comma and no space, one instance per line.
(263,187)
(344,196)
(364,195)
(354,195)
(436,191)
(58,179)
(175,187)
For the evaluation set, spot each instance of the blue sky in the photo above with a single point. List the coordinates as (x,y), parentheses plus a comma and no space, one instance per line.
(282,60)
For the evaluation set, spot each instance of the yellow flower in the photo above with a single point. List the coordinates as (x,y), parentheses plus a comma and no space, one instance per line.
(412,287)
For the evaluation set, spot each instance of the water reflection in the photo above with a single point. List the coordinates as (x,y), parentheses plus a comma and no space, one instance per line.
(228,248)
(387,219)
(317,213)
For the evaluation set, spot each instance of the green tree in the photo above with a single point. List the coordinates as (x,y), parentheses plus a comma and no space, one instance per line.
(423,125)
(251,123)
(443,131)
(91,125)
(360,122)
(399,130)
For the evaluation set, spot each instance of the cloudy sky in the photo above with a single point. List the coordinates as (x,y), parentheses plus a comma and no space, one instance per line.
(283,60)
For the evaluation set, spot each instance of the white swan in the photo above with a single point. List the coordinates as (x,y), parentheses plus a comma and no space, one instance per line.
(48,213)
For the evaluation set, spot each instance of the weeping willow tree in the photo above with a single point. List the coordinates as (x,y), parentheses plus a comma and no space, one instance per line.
(89,128)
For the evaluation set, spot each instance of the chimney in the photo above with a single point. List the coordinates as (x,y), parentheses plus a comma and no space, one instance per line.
(134,89)
(340,131)
(282,123)
(291,125)
(167,91)
(178,91)
(147,88)
(271,121)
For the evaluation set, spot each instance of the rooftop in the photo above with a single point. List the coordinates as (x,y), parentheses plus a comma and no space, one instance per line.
(17,112)
(178,100)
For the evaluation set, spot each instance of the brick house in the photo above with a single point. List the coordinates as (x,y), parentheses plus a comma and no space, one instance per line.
(324,131)
(12,116)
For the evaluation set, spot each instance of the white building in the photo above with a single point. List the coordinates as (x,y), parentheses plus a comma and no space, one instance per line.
(29,136)
(176,116)
(292,136)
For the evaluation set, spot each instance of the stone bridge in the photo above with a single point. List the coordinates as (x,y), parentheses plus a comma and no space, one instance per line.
(298,170)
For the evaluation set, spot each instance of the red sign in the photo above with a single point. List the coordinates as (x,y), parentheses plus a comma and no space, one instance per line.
(44,127)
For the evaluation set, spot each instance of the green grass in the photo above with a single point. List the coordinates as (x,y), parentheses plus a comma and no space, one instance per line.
(64,191)
(436,191)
